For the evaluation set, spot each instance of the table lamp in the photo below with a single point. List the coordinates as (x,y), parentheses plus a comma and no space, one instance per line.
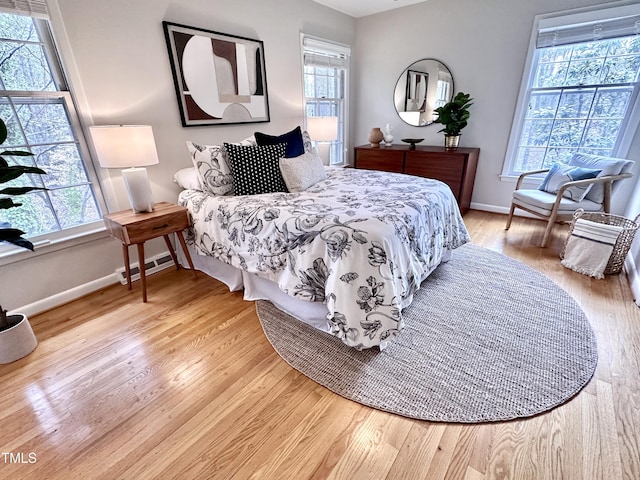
(130,148)
(323,130)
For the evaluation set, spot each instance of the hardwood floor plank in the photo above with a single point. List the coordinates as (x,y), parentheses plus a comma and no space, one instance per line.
(322,441)
(370,453)
(591,440)
(417,452)
(187,386)
(608,435)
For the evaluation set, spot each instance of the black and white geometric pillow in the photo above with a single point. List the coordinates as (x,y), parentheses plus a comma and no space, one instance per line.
(256,170)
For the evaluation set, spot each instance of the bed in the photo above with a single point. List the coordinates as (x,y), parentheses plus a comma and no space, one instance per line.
(345,255)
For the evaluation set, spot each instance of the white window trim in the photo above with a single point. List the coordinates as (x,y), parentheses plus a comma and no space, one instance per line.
(589,14)
(70,237)
(310,41)
(43,245)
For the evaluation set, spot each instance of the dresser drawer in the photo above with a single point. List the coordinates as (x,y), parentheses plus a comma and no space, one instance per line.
(379,159)
(456,168)
(155,227)
(446,169)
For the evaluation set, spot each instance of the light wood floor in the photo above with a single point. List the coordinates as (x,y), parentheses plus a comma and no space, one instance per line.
(187,387)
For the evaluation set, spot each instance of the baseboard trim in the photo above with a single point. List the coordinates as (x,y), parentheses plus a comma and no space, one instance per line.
(504,210)
(633,278)
(79,291)
(489,208)
(68,295)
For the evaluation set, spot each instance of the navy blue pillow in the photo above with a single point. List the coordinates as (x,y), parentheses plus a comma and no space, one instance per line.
(294,146)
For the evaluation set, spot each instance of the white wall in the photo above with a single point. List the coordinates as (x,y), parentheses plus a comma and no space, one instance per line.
(632,212)
(484,44)
(119,65)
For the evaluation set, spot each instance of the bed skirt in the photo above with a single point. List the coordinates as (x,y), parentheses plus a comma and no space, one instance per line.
(257,288)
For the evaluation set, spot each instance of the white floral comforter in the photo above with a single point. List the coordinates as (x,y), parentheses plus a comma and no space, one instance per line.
(359,241)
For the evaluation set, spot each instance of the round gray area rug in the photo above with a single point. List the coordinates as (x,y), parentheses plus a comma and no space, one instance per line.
(486,338)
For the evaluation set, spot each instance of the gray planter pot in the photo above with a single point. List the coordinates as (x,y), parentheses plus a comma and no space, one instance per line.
(17,341)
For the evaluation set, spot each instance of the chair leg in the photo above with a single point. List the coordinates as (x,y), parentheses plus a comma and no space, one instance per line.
(513,207)
(547,232)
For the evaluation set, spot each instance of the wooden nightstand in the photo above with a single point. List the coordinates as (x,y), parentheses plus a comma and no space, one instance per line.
(136,228)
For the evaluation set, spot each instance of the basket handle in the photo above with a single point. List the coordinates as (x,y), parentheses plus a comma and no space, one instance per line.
(578,213)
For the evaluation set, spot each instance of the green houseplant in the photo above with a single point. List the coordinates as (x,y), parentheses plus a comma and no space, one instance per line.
(454,116)
(16,337)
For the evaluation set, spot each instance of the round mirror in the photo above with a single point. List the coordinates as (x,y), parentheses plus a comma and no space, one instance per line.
(424,86)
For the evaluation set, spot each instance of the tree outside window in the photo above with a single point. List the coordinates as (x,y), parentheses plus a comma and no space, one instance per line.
(40,116)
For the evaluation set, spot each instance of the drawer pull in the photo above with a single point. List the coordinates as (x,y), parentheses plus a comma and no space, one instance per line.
(161,227)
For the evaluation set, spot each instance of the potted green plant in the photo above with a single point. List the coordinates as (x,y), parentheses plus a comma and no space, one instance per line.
(16,336)
(454,115)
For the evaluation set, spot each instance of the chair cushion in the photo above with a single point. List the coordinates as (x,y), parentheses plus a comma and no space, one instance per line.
(607,165)
(558,175)
(542,202)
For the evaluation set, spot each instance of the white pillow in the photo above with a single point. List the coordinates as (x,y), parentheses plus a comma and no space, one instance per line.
(608,165)
(187,178)
(560,174)
(213,168)
(302,172)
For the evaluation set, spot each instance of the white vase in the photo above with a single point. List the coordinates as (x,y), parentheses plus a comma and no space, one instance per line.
(388,139)
(18,341)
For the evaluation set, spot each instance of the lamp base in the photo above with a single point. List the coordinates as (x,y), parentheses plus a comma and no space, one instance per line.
(324,152)
(138,189)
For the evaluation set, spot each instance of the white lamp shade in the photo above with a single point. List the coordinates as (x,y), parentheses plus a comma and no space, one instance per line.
(121,146)
(322,129)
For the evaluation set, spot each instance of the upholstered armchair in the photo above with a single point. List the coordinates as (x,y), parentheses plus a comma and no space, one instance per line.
(587,182)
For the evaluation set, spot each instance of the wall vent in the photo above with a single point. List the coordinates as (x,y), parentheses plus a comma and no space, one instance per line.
(153,265)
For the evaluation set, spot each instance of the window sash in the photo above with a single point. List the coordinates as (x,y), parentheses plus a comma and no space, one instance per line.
(318,54)
(87,182)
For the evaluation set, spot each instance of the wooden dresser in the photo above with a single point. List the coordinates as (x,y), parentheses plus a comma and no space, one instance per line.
(456,168)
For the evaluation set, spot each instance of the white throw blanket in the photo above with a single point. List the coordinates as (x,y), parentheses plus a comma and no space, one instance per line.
(589,247)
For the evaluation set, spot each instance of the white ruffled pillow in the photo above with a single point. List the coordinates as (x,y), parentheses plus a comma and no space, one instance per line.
(302,172)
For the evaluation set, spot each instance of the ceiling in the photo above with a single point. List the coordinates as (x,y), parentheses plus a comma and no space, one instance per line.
(362,8)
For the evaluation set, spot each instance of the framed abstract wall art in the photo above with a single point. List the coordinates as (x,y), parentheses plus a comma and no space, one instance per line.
(220,79)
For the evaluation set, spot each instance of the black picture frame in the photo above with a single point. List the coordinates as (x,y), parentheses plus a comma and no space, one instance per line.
(220,79)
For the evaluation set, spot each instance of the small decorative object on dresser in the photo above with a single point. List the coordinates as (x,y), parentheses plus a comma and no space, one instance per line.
(388,137)
(412,142)
(456,168)
(454,115)
(136,228)
(375,136)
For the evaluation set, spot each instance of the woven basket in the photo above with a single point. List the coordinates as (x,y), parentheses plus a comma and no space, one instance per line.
(623,243)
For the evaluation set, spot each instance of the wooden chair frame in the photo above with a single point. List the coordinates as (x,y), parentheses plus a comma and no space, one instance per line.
(553,215)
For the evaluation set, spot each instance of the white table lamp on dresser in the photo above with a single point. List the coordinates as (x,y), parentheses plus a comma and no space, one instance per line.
(130,148)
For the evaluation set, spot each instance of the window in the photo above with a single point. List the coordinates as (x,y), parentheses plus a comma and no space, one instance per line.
(326,73)
(583,83)
(36,105)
